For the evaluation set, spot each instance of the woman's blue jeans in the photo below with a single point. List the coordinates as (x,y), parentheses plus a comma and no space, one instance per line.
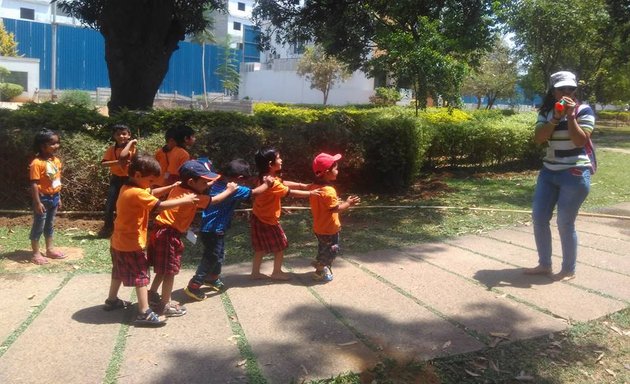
(44,223)
(567,189)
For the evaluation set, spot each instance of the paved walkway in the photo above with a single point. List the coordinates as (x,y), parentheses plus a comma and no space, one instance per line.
(420,302)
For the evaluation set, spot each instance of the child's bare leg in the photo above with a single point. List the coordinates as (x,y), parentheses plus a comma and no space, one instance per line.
(157,280)
(258,255)
(278,273)
(114,287)
(167,288)
(143,299)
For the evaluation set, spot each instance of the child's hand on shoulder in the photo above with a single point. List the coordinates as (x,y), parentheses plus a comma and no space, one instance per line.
(175,184)
(316,192)
(269,180)
(353,200)
(190,198)
(231,186)
(133,142)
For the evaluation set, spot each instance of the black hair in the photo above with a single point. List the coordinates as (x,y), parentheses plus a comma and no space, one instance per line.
(179,134)
(42,138)
(145,164)
(548,102)
(263,158)
(236,168)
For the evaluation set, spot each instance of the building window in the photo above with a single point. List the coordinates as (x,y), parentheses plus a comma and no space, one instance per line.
(27,13)
(237,26)
(241,6)
(239,46)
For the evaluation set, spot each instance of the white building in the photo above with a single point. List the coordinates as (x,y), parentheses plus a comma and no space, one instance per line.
(35,10)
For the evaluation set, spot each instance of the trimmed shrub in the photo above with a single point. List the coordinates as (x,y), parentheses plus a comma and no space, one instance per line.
(76,97)
(614,115)
(8,91)
(385,96)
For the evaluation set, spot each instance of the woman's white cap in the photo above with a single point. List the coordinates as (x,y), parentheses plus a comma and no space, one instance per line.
(563,79)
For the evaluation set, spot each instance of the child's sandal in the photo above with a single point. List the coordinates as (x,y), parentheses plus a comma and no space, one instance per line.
(149,319)
(117,303)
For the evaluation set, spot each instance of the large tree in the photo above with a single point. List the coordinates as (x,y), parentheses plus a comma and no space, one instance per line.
(587,37)
(425,44)
(140,37)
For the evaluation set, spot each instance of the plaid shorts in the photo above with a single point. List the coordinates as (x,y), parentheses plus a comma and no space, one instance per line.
(327,248)
(132,268)
(165,250)
(267,238)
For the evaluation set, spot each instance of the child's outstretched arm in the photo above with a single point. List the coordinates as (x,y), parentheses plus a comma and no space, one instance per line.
(350,201)
(161,191)
(230,188)
(267,183)
(304,194)
(189,198)
(294,185)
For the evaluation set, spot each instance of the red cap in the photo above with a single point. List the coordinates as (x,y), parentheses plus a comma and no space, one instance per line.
(324,161)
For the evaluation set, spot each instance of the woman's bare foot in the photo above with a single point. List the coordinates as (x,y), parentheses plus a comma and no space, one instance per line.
(39,259)
(257,276)
(280,276)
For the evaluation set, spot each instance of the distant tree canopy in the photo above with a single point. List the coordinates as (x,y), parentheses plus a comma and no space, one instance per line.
(587,37)
(140,37)
(424,44)
(321,70)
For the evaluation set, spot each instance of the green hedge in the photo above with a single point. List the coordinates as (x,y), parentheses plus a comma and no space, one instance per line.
(383,148)
(614,115)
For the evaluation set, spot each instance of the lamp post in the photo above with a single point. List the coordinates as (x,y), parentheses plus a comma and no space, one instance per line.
(53,51)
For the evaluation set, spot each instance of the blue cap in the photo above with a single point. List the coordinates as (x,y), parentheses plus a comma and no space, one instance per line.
(196,168)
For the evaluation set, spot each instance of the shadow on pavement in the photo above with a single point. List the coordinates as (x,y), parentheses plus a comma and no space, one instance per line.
(510,277)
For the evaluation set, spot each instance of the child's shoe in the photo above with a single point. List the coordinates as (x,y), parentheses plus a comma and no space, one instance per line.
(154,298)
(217,284)
(173,310)
(149,319)
(117,303)
(194,292)
(323,275)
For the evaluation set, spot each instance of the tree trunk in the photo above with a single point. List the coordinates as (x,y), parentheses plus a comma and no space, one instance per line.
(140,37)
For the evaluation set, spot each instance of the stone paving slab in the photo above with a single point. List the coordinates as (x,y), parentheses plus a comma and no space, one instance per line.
(293,335)
(198,347)
(71,341)
(558,298)
(605,228)
(392,322)
(586,254)
(23,294)
(470,304)
(607,282)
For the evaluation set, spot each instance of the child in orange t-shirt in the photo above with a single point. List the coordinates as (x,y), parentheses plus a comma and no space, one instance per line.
(130,265)
(45,176)
(117,158)
(165,244)
(267,234)
(325,208)
(174,154)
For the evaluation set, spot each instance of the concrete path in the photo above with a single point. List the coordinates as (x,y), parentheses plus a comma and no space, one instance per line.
(419,302)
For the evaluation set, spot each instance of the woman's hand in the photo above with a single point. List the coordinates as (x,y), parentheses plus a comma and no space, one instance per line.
(569,106)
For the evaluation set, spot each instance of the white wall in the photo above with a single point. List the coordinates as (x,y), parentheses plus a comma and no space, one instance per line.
(11,10)
(22,64)
(288,87)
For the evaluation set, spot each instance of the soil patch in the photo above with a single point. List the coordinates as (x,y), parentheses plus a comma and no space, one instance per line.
(61,222)
(20,261)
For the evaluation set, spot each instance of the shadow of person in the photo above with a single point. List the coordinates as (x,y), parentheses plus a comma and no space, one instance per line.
(96,315)
(19,256)
(510,277)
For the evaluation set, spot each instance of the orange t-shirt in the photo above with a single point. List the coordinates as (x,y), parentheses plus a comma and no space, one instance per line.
(47,174)
(113,153)
(132,218)
(325,221)
(169,164)
(180,217)
(267,206)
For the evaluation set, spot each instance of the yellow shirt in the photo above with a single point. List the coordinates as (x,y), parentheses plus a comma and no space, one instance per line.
(325,221)
(182,216)
(47,174)
(267,206)
(132,218)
